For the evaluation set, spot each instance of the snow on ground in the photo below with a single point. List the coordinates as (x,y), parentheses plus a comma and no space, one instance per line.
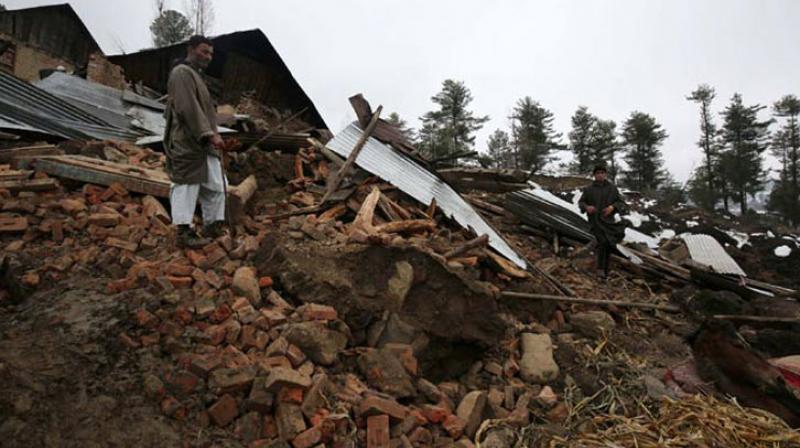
(691,223)
(636,218)
(741,238)
(783,251)
(540,192)
(634,236)
(665,234)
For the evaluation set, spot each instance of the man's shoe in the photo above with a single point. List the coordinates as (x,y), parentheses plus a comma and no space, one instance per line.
(213,230)
(189,239)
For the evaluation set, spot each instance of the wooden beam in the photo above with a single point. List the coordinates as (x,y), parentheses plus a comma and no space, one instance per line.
(337,177)
(406,226)
(29,185)
(102,172)
(239,196)
(480,241)
(8,155)
(618,303)
(15,174)
(366,213)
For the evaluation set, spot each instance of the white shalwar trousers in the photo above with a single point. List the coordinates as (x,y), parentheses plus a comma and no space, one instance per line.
(183,197)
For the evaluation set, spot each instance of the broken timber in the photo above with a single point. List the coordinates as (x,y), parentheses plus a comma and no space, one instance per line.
(28,185)
(619,303)
(102,172)
(351,158)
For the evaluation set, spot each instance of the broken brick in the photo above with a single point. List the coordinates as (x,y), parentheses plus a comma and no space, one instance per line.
(265,282)
(454,426)
(314,311)
(145,318)
(308,438)
(150,339)
(224,411)
(231,380)
(185,382)
(378,431)
(260,399)
(197,259)
(280,377)
(289,421)
(291,395)
(373,405)
(104,219)
(203,365)
(180,282)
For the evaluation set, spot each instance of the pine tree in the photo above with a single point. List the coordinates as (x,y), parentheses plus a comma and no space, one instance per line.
(402,126)
(785,198)
(580,139)
(704,95)
(450,130)
(604,145)
(642,136)
(169,27)
(533,136)
(500,151)
(745,139)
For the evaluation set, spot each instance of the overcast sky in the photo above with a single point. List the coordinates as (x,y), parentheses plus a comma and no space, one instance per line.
(612,56)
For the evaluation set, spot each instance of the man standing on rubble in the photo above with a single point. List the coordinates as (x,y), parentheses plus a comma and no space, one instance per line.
(601,201)
(192,145)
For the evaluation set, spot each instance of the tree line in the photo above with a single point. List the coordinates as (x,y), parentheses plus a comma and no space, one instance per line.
(733,151)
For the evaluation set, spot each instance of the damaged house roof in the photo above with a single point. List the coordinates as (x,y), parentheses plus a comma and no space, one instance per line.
(244,61)
(25,107)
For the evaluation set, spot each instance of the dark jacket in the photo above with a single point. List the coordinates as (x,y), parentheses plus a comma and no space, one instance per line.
(601,195)
(191,122)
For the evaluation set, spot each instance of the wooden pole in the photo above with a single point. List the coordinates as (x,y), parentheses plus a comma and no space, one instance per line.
(337,178)
(619,303)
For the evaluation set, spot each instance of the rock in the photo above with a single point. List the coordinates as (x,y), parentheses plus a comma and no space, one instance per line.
(315,398)
(384,371)
(470,410)
(396,331)
(320,344)
(429,390)
(245,283)
(499,437)
(537,364)
(399,285)
(593,323)
(547,397)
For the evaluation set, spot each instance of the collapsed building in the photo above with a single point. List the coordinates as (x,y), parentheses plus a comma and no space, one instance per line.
(360,298)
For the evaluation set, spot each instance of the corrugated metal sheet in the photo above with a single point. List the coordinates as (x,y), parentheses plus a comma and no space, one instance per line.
(418,183)
(707,251)
(26,105)
(538,212)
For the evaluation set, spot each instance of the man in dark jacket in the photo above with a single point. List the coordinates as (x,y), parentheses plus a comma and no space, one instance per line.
(192,145)
(601,201)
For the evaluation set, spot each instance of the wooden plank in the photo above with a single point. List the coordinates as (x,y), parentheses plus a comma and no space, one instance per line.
(8,155)
(15,174)
(366,213)
(618,303)
(101,174)
(507,266)
(29,185)
(336,179)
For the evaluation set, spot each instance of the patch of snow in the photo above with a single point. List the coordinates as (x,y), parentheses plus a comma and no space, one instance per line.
(550,197)
(636,218)
(634,236)
(649,203)
(741,238)
(665,234)
(770,234)
(691,223)
(783,251)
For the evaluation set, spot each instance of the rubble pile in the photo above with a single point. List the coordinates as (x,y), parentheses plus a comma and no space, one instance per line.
(340,310)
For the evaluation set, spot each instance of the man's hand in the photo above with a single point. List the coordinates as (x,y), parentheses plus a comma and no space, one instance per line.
(608,210)
(217,142)
(590,209)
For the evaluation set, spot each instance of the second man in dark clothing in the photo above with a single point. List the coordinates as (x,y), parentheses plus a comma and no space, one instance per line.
(601,202)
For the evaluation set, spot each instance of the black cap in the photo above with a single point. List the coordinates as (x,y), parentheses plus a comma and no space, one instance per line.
(599,167)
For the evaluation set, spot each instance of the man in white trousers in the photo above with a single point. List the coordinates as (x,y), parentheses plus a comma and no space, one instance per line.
(192,145)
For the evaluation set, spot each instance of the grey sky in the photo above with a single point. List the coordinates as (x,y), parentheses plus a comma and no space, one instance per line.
(612,56)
